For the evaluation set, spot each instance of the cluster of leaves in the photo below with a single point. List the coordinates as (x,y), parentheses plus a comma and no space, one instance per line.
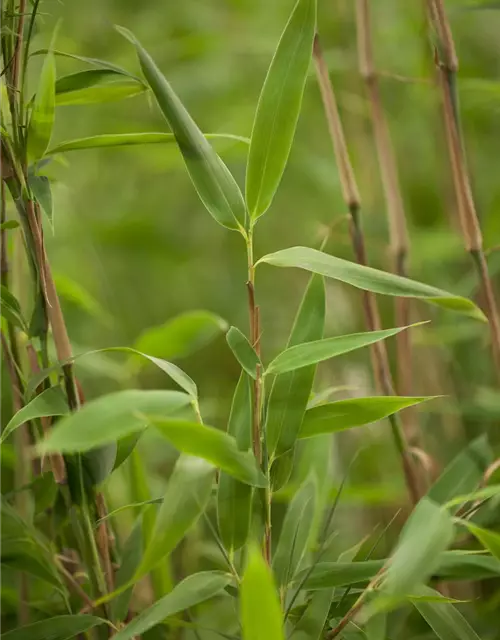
(280,584)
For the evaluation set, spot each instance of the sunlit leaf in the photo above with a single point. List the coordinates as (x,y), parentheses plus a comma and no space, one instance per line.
(132,139)
(279,107)
(110,418)
(353,412)
(444,619)
(295,534)
(489,539)
(243,351)
(290,392)
(214,446)
(261,616)
(234,498)
(214,183)
(485,493)
(188,491)
(51,402)
(307,353)
(95,62)
(57,628)
(190,592)
(369,279)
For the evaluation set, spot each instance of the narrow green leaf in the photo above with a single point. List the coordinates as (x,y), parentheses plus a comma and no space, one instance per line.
(234,498)
(26,555)
(214,183)
(42,116)
(196,588)
(51,402)
(307,353)
(94,62)
(40,187)
(279,107)
(290,392)
(464,473)
(313,620)
(489,539)
(9,224)
(243,351)
(100,93)
(354,412)
(110,418)
(130,560)
(132,139)
(11,309)
(85,79)
(188,492)
(214,446)
(369,279)
(426,534)
(57,628)
(125,447)
(295,535)
(481,494)
(261,616)
(464,565)
(444,619)
(182,335)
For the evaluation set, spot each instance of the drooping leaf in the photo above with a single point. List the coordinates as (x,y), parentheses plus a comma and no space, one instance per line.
(56,628)
(190,592)
(51,402)
(443,618)
(369,279)
(130,560)
(295,533)
(313,620)
(353,412)
(40,187)
(94,62)
(243,351)
(489,539)
(132,139)
(42,116)
(214,183)
(491,491)
(182,335)
(88,78)
(100,94)
(307,353)
(11,309)
(188,491)
(110,418)
(279,107)
(234,498)
(426,534)
(261,616)
(464,473)
(290,392)
(214,446)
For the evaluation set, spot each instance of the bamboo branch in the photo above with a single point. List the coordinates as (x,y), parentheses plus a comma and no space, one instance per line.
(351,196)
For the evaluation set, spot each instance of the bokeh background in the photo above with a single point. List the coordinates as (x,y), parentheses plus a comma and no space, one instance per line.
(133,246)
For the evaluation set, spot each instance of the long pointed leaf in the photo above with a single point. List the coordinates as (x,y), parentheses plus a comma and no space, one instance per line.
(243,351)
(443,618)
(57,628)
(43,111)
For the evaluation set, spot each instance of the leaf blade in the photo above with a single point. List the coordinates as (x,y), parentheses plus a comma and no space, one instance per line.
(243,351)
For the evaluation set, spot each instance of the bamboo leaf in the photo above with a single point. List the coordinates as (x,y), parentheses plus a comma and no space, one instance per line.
(56,628)
(40,187)
(110,418)
(307,353)
(243,351)
(464,565)
(196,588)
(234,498)
(443,618)
(42,116)
(131,559)
(188,492)
(110,140)
(489,539)
(51,402)
(279,107)
(290,392)
(313,620)
(369,279)
(11,309)
(214,446)
(9,224)
(354,412)
(87,78)
(98,94)
(295,533)
(94,62)
(261,616)
(214,183)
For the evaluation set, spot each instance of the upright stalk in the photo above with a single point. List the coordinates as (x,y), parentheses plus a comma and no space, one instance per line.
(399,241)
(351,196)
(447,68)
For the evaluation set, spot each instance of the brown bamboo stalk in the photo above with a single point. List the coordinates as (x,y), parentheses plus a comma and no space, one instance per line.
(447,68)
(352,199)
(399,241)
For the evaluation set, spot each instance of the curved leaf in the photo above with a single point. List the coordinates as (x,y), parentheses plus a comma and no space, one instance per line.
(443,618)
(100,93)
(354,412)
(279,107)
(214,446)
(369,279)
(57,628)
(42,116)
(85,79)
(243,351)
(95,62)
(214,183)
(11,309)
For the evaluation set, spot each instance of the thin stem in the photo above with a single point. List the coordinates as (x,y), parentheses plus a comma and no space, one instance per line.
(447,67)
(351,196)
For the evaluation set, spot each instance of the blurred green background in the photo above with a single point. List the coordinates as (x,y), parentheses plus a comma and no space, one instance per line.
(131,234)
